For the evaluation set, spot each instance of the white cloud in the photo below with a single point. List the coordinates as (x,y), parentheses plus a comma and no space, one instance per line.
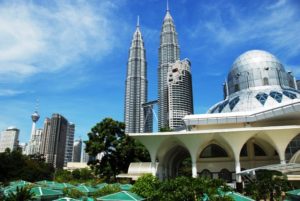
(277,27)
(10,92)
(35,38)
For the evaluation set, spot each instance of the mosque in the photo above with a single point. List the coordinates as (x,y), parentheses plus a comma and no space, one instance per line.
(257,124)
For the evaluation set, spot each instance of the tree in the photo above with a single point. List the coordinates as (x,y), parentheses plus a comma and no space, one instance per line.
(14,165)
(21,194)
(147,186)
(268,185)
(107,138)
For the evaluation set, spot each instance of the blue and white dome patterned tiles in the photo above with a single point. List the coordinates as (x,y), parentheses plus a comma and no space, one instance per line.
(257,81)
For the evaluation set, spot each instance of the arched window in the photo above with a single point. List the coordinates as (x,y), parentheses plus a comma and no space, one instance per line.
(225,175)
(206,174)
(244,151)
(213,151)
(265,81)
(258,151)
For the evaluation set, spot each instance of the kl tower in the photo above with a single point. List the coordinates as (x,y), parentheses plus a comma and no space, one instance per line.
(34,117)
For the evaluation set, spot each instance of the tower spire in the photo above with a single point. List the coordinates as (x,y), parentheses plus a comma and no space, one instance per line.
(168,6)
(138,21)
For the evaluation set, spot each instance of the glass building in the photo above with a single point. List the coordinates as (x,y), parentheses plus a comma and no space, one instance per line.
(136,85)
(168,54)
(180,93)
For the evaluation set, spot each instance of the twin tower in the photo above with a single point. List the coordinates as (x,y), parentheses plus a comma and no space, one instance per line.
(175,96)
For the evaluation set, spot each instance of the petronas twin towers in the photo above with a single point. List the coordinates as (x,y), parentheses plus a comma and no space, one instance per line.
(175,98)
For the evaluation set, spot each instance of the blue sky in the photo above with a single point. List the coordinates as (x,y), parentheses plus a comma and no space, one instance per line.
(71,55)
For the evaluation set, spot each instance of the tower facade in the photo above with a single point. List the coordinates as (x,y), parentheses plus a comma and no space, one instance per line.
(77,147)
(180,93)
(136,85)
(168,54)
(9,139)
(69,143)
(56,141)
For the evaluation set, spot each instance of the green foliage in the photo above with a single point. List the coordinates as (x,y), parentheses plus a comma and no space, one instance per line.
(180,188)
(73,193)
(268,185)
(117,149)
(83,175)
(147,186)
(165,129)
(21,194)
(106,190)
(14,165)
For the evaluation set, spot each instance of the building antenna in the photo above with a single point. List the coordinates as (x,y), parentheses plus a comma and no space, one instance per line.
(37,105)
(138,21)
(168,5)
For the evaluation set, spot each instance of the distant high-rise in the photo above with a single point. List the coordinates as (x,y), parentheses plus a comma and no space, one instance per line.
(180,93)
(69,143)
(77,149)
(136,85)
(298,84)
(56,141)
(35,142)
(168,54)
(46,136)
(9,139)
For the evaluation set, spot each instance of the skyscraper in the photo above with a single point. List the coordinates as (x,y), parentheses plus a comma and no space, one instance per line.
(180,93)
(168,54)
(9,139)
(45,137)
(136,85)
(56,141)
(69,143)
(77,147)
(35,142)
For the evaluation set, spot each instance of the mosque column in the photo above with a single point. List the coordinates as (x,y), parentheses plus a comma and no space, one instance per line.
(194,167)
(238,170)
(153,164)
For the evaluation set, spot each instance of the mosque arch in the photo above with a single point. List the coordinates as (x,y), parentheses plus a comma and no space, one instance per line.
(292,148)
(171,155)
(214,150)
(206,174)
(225,174)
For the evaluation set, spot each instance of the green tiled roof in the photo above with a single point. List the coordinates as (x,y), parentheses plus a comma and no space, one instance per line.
(121,196)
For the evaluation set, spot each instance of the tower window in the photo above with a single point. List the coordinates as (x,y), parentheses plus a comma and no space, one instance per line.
(265,81)
(262,98)
(277,96)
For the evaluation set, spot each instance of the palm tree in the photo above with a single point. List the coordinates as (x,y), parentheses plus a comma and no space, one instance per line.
(21,194)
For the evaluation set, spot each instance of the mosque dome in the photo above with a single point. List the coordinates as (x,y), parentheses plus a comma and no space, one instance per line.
(257,80)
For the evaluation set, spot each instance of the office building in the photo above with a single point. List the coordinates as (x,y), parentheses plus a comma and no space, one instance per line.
(45,136)
(9,139)
(55,142)
(77,150)
(69,144)
(136,85)
(168,54)
(35,143)
(180,93)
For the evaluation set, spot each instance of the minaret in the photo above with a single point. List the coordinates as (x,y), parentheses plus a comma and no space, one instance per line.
(136,84)
(168,54)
